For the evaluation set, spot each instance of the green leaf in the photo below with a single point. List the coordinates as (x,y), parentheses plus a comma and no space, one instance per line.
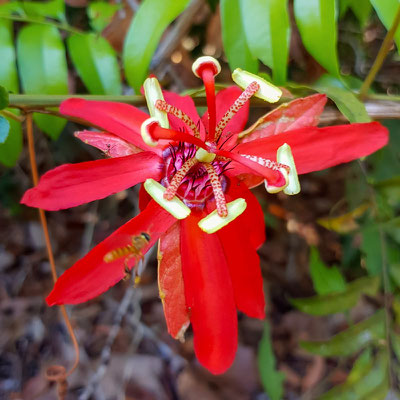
(53,9)
(325,280)
(12,147)
(143,36)
(362,10)
(8,67)
(271,379)
(96,63)
(338,302)
(365,381)
(234,38)
(371,247)
(348,104)
(43,69)
(100,14)
(4,129)
(316,20)
(353,339)
(267,28)
(386,10)
(3,98)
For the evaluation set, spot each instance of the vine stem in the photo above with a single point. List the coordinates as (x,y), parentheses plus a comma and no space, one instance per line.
(43,221)
(380,58)
(59,25)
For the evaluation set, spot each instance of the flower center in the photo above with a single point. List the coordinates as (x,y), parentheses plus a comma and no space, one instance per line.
(193,181)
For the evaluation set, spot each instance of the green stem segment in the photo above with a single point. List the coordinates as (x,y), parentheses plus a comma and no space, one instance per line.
(380,58)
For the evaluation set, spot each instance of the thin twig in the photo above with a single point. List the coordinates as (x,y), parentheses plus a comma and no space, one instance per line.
(43,220)
(380,58)
(9,114)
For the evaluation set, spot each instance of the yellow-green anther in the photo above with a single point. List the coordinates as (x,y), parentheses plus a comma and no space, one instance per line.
(285,156)
(144,131)
(175,206)
(204,156)
(153,92)
(213,222)
(267,91)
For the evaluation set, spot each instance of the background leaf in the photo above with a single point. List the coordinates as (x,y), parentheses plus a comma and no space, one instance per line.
(338,302)
(233,36)
(386,10)
(143,36)
(353,339)
(3,98)
(96,63)
(12,147)
(325,280)
(348,104)
(316,20)
(8,67)
(53,8)
(267,28)
(100,14)
(271,379)
(43,69)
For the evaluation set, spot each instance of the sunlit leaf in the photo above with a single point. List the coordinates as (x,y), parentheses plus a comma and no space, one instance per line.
(316,20)
(234,38)
(271,379)
(386,10)
(100,14)
(12,147)
(361,9)
(366,380)
(338,302)
(347,103)
(43,69)
(143,36)
(353,339)
(344,223)
(267,28)
(96,63)
(8,67)
(326,280)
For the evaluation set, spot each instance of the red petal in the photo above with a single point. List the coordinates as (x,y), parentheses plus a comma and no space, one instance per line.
(299,113)
(170,282)
(120,119)
(224,99)
(252,219)
(91,275)
(319,148)
(185,104)
(144,198)
(244,267)
(209,296)
(70,185)
(111,145)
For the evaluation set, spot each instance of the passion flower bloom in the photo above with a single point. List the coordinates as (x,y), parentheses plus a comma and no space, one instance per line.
(196,199)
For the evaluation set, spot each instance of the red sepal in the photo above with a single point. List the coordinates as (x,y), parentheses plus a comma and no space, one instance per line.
(70,185)
(91,275)
(209,296)
(170,282)
(120,119)
(319,148)
(112,145)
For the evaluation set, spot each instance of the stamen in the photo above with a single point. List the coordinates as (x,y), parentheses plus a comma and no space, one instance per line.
(162,105)
(235,107)
(217,189)
(178,178)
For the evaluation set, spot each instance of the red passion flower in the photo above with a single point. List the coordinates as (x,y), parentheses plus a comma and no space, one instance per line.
(195,199)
